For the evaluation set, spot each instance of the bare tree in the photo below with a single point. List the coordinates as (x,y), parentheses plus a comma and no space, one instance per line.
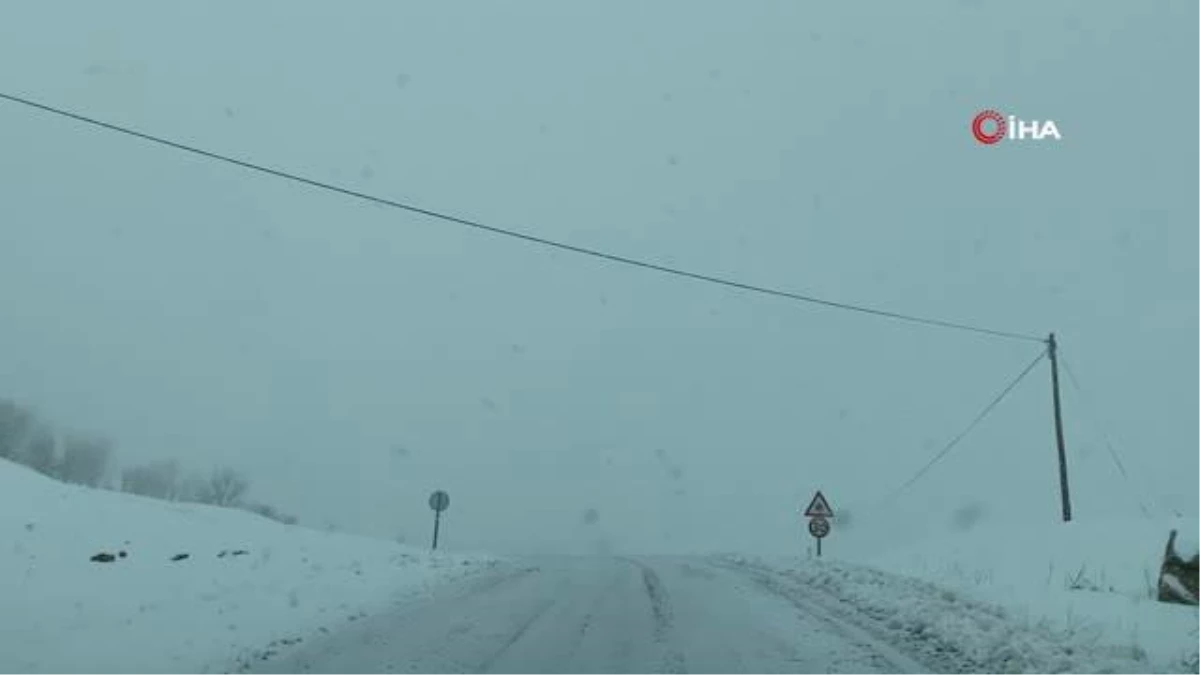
(85,460)
(41,453)
(225,487)
(157,479)
(16,423)
(192,488)
(268,511)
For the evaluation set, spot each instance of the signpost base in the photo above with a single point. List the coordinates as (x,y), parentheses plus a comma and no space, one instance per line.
(437,520)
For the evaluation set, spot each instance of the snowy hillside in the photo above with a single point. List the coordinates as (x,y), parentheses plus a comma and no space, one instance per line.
(245,584)
(1092,582)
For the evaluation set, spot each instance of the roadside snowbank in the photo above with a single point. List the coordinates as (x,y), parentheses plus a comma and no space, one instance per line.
(1094,582)
(947,629)
(247,582)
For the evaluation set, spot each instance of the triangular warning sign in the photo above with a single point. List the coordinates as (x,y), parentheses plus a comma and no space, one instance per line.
(818,507)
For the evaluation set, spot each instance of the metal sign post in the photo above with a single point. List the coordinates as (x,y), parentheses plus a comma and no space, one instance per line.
(818,527)
(438,501)
(819,512)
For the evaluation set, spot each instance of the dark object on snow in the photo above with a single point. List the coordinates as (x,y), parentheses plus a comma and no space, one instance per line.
(104,557)
(1177,580)
(180,556)
(240,551)
(121,554)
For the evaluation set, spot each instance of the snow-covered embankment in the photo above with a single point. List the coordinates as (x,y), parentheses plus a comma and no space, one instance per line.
(198,589)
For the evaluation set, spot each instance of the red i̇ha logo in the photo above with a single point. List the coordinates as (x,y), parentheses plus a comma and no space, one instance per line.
(990,127)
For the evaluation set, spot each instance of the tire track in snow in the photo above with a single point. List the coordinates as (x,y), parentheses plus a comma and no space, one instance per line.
(660,604)
(516,636)
(893,659)
(564,616)
(664,617)
(539,611)
(589,617)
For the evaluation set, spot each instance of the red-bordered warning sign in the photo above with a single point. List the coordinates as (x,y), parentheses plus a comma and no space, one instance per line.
(818,507)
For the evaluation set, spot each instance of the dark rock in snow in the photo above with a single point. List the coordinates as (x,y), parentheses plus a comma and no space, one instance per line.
(180,556)
(104,557)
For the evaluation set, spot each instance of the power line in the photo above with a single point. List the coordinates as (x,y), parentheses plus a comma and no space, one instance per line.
(1075,385)
(594,253)
(970,427)
(1112,451)
(1108,438)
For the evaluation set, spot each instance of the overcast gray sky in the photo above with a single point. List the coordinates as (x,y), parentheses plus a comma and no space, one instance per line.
(351,358)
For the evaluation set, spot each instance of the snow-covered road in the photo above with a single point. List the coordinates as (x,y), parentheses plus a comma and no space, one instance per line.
(197,588)
(586,614)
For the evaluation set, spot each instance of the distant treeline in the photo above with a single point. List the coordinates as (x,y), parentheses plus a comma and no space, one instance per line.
(89,460)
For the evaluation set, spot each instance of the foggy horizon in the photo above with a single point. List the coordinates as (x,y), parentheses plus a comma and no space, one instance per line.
(349,359)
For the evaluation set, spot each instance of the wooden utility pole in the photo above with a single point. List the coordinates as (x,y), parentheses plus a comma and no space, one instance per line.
(1064,489)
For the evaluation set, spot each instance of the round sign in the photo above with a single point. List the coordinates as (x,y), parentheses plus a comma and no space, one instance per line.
(439,500)
(818,527)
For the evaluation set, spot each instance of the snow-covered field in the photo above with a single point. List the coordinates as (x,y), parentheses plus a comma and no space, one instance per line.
(1092,584)
(204,589)
(209,612)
